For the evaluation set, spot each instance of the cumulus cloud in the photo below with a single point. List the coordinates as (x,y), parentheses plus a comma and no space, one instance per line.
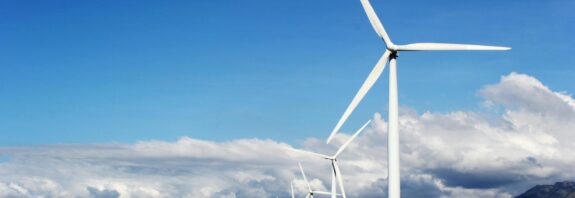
(523,137)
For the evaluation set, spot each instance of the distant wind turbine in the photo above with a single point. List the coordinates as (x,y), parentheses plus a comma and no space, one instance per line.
(336,173)
(310,192)
(391,56)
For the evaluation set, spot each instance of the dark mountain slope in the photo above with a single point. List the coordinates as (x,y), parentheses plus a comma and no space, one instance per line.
(558,190)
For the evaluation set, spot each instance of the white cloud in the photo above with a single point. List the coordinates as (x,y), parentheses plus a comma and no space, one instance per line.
(456,154)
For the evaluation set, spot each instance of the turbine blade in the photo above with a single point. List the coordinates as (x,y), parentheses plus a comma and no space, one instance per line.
(367,84)
(446,46)
(350,139)
(304,177)
(376,23)
(311,153)
(321,192)
(325,193)
(339,178)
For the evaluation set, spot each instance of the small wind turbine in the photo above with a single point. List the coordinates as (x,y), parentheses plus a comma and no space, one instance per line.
(310,192)
(391,56)
(335,168)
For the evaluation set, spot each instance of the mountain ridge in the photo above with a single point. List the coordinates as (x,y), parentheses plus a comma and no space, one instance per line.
(564,189)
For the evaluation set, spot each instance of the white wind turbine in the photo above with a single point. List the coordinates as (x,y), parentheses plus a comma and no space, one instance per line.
(391,56)
(336,173)
(310,192)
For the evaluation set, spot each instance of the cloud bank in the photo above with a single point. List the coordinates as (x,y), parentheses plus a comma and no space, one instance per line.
(523,136)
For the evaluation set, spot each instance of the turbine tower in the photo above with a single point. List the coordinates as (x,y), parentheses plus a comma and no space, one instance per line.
(390,55)
(292,194)
(336,173)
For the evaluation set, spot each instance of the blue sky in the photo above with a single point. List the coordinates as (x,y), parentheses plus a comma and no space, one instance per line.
(108,71)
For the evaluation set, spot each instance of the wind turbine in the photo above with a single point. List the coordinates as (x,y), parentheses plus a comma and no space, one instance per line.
(390,55)
(310,192)
(335,167)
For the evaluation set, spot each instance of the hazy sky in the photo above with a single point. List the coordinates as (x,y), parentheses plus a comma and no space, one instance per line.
(109,71)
